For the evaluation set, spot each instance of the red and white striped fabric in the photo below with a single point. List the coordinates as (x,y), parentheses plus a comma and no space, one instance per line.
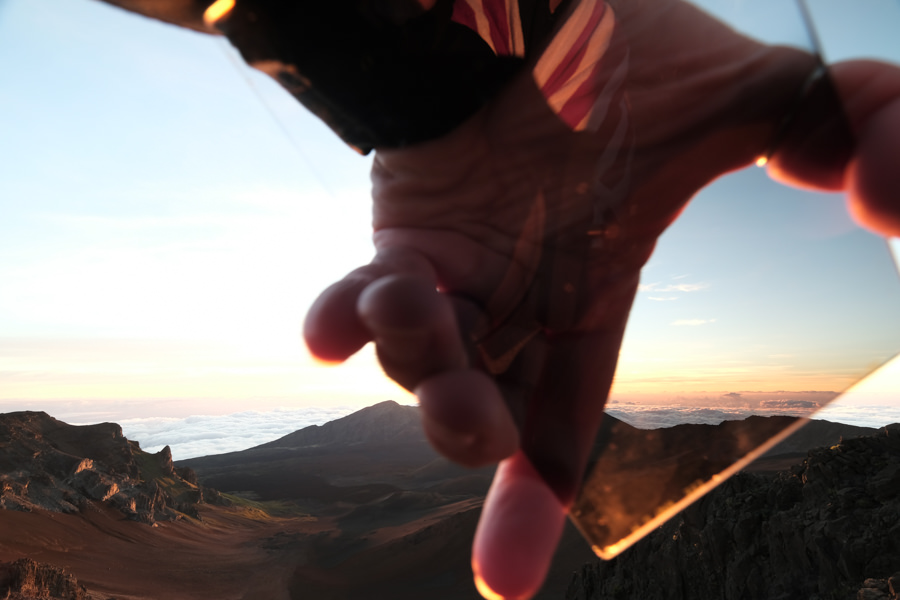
(569,70)
(496,21)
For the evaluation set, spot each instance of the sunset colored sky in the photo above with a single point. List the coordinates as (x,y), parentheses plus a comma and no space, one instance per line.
(167,216)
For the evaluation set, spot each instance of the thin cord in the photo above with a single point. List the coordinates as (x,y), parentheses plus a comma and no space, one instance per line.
(811,30)
(241,67)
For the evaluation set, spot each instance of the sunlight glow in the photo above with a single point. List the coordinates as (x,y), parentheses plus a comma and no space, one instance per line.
(217,11)
(484,589)
(879,387)
(762,161)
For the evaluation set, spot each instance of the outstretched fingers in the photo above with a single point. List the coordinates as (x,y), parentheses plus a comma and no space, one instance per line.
(870,94)
(873,179)
(419,344)
(334,330)
(870,98)
(413,327)
(394,302)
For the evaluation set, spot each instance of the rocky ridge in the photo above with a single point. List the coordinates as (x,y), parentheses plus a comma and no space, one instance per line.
(25,579)
(50,465)
(828,529)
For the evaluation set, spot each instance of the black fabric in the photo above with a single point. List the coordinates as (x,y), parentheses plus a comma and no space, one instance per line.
(381,74)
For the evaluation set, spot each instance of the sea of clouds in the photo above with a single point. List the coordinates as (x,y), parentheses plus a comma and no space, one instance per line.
(203,435)
(655,416)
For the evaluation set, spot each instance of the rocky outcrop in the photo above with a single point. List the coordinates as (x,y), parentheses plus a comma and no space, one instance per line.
(880,589)
(26,579)
(828,529)
(50,465)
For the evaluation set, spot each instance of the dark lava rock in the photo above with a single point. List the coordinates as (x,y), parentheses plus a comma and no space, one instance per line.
(26,579)
(828,529)
(880,589)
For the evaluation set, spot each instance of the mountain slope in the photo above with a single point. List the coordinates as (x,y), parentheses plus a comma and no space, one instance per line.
(368,510)
(817,531)
(383,423)
(382,445)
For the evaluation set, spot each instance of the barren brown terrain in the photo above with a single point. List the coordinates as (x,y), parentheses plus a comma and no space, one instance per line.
(360,508)
(357,509)
(239,553)
(226,555)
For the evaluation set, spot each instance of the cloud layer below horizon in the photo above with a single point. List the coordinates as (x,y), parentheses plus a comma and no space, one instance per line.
(204,435)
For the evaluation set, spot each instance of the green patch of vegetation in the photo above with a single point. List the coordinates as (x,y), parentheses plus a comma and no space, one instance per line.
(269,508)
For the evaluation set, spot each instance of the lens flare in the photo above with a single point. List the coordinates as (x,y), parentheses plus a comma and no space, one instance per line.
(325,362)
(217,11)
(484,589)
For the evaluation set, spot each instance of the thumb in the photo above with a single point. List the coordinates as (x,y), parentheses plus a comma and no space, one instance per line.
(517,535)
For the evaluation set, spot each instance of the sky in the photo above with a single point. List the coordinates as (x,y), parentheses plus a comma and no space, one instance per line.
(161,235)
(167,215)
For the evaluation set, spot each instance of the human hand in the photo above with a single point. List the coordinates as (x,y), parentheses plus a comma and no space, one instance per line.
(870,96)
(534,234)
(518,348)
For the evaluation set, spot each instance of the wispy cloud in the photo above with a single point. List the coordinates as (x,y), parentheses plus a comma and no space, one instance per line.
(672,287)
(662,298)
(692,322)
(684,287)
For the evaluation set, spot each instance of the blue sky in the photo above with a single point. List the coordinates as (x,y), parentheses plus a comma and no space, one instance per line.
(167,215)
(162,236)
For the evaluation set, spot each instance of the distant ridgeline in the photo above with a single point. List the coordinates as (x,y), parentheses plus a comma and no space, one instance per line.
(50,465)
(828,528)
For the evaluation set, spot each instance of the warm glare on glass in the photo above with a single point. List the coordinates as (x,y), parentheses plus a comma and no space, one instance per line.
(217,10)
(483,589)
(324,362)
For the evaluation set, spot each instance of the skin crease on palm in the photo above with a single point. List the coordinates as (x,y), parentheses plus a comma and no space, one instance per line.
(499,292)
(448,215)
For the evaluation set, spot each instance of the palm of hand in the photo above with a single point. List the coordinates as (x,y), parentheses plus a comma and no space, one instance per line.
(519,221)
(534,236)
